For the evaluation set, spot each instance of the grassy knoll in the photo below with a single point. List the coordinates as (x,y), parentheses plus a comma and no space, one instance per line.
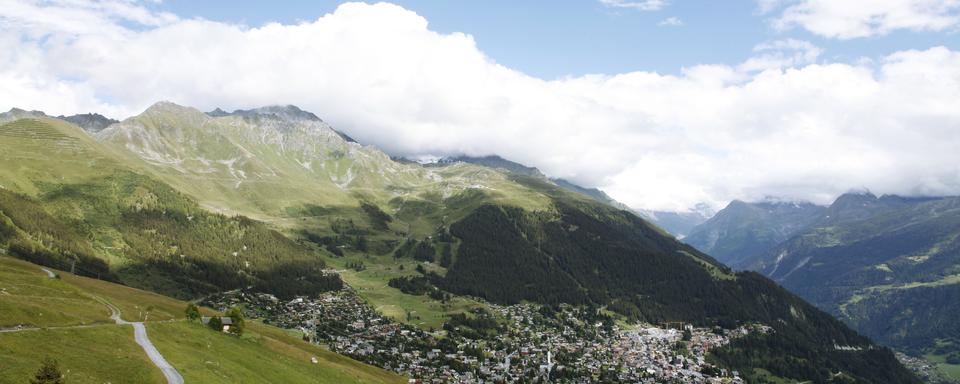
(28,297)
(101,354)
(263,354)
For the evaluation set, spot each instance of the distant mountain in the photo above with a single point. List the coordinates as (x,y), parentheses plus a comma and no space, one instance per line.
(888,266)
(595,193)
(742,231)
(17,113)
(498,162)
(494,161)
(679,224)
(285,112)
(676,223)
(90,122)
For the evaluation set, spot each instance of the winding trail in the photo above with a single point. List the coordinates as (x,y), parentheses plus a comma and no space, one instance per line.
(140,335)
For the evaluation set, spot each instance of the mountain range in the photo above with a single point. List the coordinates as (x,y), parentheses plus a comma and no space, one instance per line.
(187,203)
(889,266)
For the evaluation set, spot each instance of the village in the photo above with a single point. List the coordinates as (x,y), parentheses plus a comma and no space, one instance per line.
(515,343)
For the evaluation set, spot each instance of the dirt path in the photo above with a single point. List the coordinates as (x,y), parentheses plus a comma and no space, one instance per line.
(140,335)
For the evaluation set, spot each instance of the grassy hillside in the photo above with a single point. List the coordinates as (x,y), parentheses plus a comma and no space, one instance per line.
(274,167)
(86,355)
(261,355)
(100,351)
(83,208)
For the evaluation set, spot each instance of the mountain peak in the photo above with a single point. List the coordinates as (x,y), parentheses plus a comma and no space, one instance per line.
(17,113)
(164,107)
(285,112)
(218,113)
(494,161)
(90,122)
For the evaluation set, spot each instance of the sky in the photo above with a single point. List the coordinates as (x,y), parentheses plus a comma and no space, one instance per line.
(663,104)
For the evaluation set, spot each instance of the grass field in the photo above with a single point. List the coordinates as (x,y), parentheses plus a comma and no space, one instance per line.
(101,352)
(261,355)
(371,283)
(28,297)
(134,304)
(951,370)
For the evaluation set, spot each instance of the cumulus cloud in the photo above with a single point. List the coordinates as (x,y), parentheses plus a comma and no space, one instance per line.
(851,19)
(643,5)
(793,127)
(671,22)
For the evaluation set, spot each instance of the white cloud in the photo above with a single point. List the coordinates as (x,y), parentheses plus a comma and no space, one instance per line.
(642,5)
(853,19)
(781,54)
(671,22)
(793,127)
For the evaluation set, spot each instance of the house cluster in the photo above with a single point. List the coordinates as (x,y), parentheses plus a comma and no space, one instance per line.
(518,343)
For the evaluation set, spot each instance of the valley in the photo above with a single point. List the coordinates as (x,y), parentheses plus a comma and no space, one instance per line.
(275,201)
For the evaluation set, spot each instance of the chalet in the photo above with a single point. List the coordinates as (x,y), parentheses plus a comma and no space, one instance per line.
(226,321)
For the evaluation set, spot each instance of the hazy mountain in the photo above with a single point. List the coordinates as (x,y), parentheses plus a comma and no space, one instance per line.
(494,161)
(675,223)
(889,266)
(90,122)
(17,113)
(679,224)
(141,203)
(742,231)
(498,162)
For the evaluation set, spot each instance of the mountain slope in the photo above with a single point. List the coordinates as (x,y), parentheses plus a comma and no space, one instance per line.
(76,329)
(71,203)
(274,165)
(742,231)
(894,275)
(889,266)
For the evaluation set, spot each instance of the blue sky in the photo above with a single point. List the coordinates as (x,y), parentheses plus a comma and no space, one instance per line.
(576,37)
